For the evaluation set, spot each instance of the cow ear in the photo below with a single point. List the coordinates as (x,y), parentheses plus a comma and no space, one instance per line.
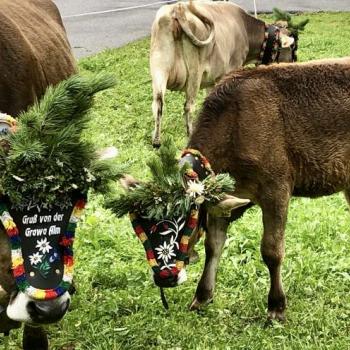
(225,206)
(107,153)
(128,181)
(286,41)
(3,295)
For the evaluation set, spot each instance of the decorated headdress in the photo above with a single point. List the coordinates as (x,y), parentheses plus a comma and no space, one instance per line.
(164,210)
(284,17)
(46,169)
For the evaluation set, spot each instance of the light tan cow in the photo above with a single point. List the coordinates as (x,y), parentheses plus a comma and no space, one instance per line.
(194,44)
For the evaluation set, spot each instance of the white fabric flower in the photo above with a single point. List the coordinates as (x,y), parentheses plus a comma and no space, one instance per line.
(35,258)
(194,188)
(43,245)
(18,178)
(165,252)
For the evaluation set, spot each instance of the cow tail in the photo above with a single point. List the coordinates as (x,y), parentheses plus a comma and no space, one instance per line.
(180,17)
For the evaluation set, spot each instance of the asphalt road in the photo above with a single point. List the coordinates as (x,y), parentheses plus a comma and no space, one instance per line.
(95,25)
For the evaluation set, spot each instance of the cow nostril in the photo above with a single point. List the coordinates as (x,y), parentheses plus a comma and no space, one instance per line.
(46,311)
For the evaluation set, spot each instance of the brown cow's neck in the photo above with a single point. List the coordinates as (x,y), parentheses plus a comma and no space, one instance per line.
(215,152)
(256,35)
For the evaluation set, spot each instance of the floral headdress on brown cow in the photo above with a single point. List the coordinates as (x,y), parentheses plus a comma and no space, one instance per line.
(164,210)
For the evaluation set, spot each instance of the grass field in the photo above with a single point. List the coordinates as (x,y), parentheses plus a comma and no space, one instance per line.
(116,306)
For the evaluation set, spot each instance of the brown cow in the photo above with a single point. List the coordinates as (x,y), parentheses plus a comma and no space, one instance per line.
(192,46)
(34,53)
(280,131)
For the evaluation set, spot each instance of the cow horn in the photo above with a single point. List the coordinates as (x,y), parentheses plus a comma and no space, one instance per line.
(128,181)
(226,205)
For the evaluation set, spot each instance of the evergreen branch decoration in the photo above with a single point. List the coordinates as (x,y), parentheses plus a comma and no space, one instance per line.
(171,192)
(47,158)
(280,15)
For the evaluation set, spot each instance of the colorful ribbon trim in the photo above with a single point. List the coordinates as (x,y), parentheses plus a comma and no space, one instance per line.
(66,242)
(204,162)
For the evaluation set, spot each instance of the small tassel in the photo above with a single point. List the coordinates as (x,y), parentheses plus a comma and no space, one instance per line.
(162,296)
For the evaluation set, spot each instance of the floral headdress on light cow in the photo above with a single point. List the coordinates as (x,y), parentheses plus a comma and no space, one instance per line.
(47,168)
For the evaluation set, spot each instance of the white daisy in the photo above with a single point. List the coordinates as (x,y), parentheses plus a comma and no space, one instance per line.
(165,252)
(43,245)
(194,188)
(35,258)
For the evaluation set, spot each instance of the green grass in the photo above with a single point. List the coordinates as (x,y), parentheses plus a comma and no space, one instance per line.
(116,306)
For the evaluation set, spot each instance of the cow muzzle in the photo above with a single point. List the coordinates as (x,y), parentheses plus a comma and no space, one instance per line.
(22,308)
(41,243)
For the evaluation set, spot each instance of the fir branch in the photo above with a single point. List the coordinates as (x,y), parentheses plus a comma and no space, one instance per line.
(166,194)
(48,159)
(280,15)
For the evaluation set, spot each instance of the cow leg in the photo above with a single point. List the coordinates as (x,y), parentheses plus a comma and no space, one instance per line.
(157,108)
(34,338)
(347,196)
(188,111)
(191,94)
(272,248)
(214,242)
(192,253)
(159,83)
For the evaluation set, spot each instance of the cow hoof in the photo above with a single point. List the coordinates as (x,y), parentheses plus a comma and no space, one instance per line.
(193,257)
(276,315)
(197,305)
(156,144)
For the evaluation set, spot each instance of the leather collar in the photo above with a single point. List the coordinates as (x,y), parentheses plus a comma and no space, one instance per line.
(271,46)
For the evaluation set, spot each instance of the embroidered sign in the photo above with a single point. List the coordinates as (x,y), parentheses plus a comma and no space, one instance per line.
(166,245)
(42,247)
(40,231)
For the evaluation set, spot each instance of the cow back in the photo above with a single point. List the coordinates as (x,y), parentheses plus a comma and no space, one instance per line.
(34,52)
(281,121)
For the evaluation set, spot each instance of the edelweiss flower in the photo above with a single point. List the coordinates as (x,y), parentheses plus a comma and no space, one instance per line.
(195,188)
(35,258)
(165,252)
(43,245)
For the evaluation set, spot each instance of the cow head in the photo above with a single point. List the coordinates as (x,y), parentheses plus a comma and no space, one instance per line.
(164,211)
(18,305)
(289,35)
(41,259)
(46,169)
